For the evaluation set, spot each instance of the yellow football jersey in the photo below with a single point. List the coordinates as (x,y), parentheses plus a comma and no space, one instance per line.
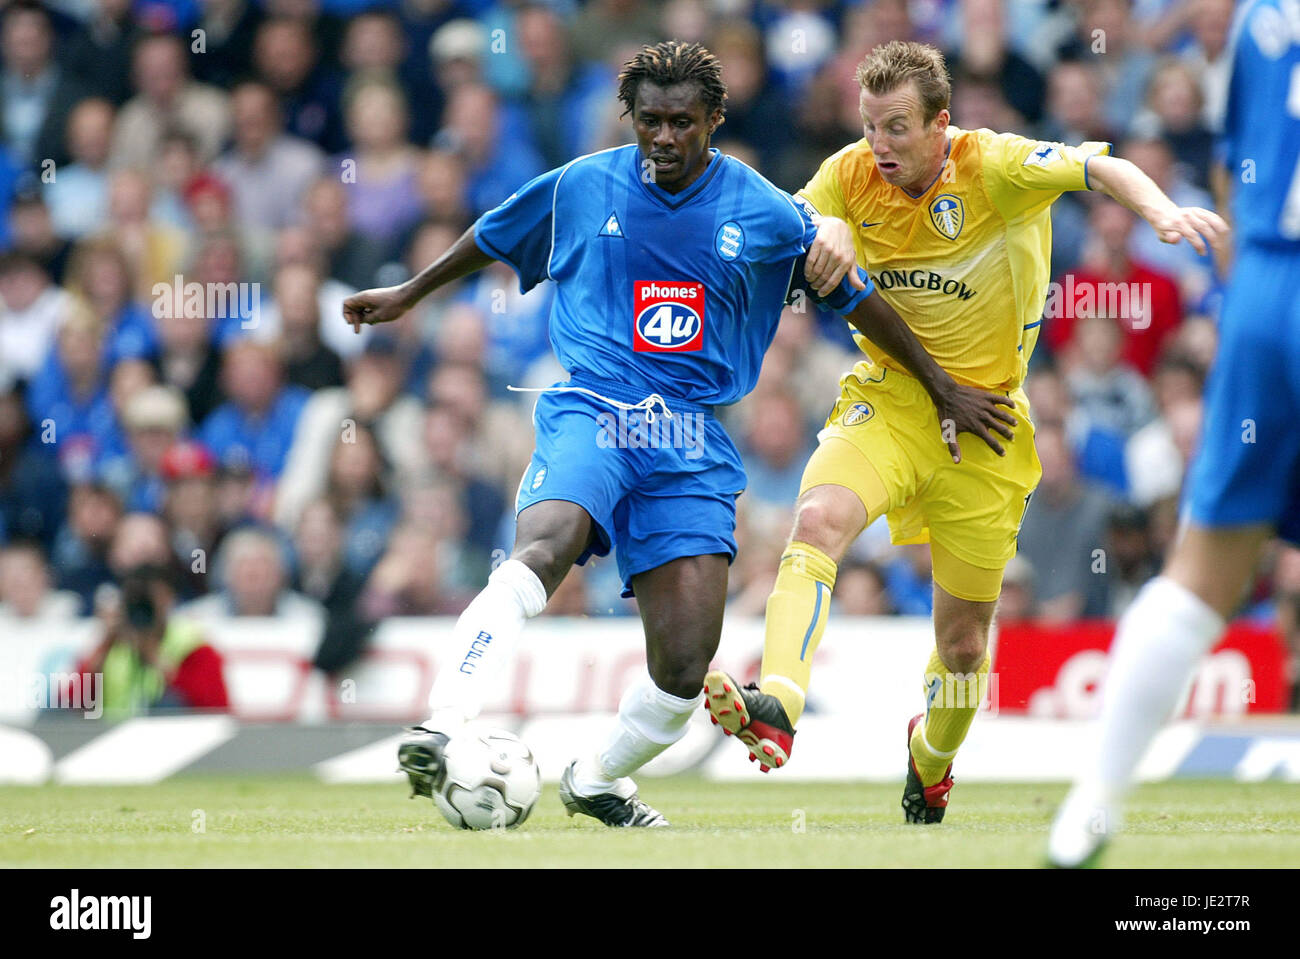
(966,263)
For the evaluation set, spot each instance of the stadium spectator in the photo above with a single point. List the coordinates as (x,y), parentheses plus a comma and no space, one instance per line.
(775,447)
(349,257)
(375,43)
(482,502)
(285,57)
(320,574)
(267,170)
(33,496)
(372,398)
(167,97)
(1075,112)
(36,93)
(100,275)
(491,141)
(860,590)
(256,425)
(177,167)
(140,539)
(308,362)
(357,487)
(1211,21)
(1154,455)
(154,249)
(1063,533)
(566,102)
(500,440)
(32,232)
(78,195)
(229,30)
(80,553)
(1099,450)
(1108,391)
(1109,282)
(1129,558)
(1104,39)
(1175,114)
(987,56)
(191,509)
(1016,601)
(33,310)
(151,660)
(380,170)
(69,397)
(603,25)
(408,579)
(187,355)
(1194,273)
(26,591)
(252,581)
(99,50)
(155,419)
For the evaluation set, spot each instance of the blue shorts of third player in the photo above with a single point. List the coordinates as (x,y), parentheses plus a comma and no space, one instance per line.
(658,487)
(1247,467)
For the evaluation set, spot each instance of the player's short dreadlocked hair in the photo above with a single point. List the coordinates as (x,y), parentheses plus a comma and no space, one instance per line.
(669,63)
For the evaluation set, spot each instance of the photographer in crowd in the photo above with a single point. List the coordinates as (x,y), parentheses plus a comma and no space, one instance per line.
(149,660)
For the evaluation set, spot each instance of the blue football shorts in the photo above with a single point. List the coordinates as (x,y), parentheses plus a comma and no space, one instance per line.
(659,479)
(1247,466)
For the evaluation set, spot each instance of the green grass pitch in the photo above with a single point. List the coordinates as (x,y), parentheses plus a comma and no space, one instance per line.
(257,821)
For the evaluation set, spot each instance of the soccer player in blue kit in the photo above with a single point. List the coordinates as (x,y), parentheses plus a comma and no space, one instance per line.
(672,264)
(1243,487)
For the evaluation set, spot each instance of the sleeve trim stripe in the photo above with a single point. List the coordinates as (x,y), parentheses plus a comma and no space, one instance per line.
(1110,149)
(487,247)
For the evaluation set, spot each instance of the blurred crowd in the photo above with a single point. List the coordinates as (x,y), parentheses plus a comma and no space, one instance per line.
(284,153)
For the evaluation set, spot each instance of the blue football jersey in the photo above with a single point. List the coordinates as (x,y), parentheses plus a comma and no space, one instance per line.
(677,294)
(1261,124)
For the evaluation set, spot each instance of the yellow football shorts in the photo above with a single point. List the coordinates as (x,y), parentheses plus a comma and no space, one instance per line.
(969,512)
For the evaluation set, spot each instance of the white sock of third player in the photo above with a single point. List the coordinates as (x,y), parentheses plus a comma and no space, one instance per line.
(1158,644)
(649,721)
(485,637)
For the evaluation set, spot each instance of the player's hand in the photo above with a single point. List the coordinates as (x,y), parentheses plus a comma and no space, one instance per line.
(381,305)
(831,257)
(965,409)
(1193,224)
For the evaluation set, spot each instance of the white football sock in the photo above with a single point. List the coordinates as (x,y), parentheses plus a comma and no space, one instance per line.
(1157,646)
(649,721)
(484,641)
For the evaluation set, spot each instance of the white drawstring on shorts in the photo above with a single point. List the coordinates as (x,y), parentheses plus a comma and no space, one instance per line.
(646,405)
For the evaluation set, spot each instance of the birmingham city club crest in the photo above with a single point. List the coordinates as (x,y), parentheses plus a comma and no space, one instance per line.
(858,413)
(948,215)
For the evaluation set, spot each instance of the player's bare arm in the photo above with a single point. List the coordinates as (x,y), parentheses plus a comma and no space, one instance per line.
(385,304)
(970,410)
(1125,182)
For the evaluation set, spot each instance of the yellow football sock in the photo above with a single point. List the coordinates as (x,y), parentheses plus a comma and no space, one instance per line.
(796,619)
(951,702)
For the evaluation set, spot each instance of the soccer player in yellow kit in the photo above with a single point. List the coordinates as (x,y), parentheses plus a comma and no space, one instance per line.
(954,228)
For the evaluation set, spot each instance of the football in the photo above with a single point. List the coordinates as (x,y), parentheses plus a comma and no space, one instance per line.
(492,780)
